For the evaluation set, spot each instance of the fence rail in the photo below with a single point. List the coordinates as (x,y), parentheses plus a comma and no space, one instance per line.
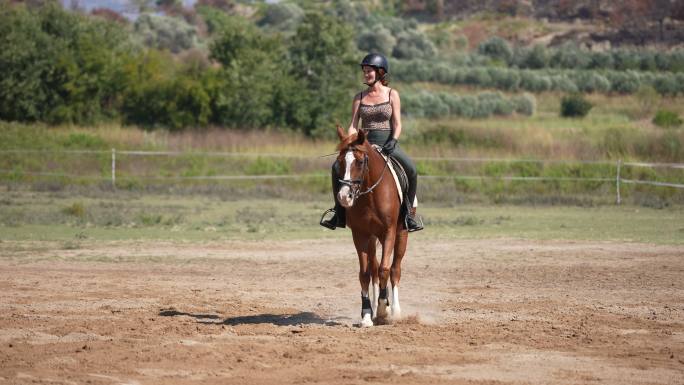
(113,153)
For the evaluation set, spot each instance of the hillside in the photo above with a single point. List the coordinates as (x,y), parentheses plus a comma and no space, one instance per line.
(599,23)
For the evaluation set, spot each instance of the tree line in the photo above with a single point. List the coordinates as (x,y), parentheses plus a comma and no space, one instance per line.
(292,66)
(58,66)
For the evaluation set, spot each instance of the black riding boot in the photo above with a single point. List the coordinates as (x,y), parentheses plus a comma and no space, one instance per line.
(413,223)
(339,217)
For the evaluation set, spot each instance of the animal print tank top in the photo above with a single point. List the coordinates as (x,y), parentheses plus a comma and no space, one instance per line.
(376,116)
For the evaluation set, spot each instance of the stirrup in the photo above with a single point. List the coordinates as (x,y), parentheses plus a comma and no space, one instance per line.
(328,223)
(418,220)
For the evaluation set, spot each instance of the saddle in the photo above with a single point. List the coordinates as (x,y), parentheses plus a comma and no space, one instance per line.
(401,180)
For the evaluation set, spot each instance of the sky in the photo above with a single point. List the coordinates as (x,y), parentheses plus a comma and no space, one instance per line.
(126,8)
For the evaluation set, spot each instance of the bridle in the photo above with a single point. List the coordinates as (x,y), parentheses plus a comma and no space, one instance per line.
(355,184)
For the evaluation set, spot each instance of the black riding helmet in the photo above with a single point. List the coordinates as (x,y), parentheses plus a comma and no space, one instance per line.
(376,61)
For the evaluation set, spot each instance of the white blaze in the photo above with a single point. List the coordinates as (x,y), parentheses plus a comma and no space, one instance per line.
(344,195)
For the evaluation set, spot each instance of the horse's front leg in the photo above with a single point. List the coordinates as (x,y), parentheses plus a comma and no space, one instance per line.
(361,242)
(374,266)
(384,271)
(395,275)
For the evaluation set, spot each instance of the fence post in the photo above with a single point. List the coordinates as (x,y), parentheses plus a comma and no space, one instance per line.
(113,167)
(617,180)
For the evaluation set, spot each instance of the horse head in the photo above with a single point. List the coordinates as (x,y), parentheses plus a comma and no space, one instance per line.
(353,165)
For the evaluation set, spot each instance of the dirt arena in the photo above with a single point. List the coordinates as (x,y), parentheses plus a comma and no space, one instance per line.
(475,312)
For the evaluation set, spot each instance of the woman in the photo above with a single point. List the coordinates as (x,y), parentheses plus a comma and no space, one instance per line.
(379,109)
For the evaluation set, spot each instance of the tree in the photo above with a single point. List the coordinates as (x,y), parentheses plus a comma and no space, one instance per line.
(242,91)
(58,66)
(324,66)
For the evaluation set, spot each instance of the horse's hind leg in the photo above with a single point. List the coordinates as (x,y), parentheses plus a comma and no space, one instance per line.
(395,273)
(361,243)
(374,284)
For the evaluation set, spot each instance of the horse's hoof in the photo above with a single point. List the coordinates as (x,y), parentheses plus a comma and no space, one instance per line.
(396,312)
(366,321)
(382,309)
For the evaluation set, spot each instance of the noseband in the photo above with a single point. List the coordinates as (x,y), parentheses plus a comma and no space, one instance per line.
(355,184)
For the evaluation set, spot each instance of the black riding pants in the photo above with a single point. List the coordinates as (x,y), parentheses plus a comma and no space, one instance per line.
(380,137)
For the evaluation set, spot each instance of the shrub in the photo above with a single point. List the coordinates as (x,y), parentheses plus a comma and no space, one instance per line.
(589,81)
(504,79)
(575,105)
(282,16)
(462,106)
(666,118)
(564,83)
(625,60)
(496,48)
(570,56)
(647,98)
(493,103)
(666,84)
(426,104)
(165,32)
(478,77)
(443,73)
(434,105)
(379,40)
(83,141)
(525,104)
(76,210)
(624,82)
(535,58)
(600,60)
(413,44)
(176,105)
(530,81)
(266,166)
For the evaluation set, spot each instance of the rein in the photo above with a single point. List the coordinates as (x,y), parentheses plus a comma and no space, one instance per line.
(352,182)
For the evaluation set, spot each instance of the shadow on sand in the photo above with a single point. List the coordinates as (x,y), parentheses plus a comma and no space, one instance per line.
(301,318)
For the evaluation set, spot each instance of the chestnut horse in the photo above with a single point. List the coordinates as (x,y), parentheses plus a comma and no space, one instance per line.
(372,204)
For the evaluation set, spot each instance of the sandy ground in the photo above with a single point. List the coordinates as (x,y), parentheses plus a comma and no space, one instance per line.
(476,312)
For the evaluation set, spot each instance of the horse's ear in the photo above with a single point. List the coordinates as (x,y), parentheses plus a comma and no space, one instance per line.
(340,132)
(361,137)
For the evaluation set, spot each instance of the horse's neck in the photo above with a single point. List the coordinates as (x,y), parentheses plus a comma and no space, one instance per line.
(376,166)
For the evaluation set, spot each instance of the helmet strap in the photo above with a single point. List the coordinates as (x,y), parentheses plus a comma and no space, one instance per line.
(377,79)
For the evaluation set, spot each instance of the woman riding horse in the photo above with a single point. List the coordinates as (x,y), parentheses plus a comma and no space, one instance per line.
(381,118)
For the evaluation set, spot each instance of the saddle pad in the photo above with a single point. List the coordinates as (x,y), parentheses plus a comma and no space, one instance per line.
(399,176)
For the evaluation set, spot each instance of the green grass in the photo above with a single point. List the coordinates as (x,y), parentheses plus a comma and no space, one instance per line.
(612,131)
(47,217)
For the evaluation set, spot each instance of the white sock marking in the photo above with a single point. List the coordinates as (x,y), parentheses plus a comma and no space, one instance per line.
(396,309)
(374,300)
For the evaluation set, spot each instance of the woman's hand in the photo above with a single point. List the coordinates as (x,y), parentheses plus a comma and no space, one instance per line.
(388,147)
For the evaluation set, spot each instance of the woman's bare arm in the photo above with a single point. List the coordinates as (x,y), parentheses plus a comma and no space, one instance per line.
(396,113)
(353,126)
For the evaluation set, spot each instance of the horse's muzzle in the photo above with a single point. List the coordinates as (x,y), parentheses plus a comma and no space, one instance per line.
(346,197)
